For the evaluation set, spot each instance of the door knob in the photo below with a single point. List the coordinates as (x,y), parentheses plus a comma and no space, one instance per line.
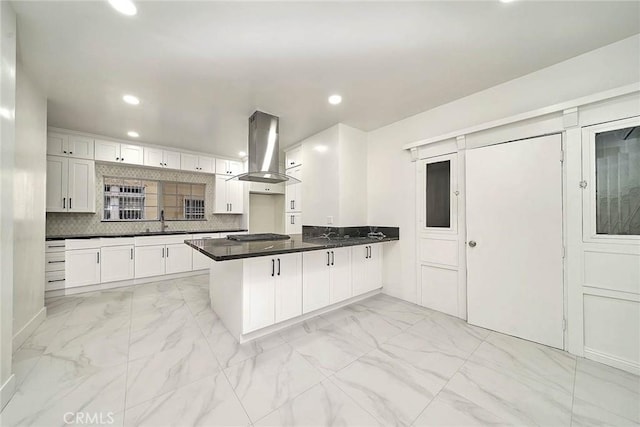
(472,243)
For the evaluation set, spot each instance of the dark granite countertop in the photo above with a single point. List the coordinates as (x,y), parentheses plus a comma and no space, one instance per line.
(224,249)
(139,234)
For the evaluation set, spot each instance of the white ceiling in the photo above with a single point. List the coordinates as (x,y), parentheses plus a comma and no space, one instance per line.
(201,68)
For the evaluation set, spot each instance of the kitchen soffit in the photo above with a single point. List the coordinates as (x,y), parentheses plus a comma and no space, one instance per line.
(203,67)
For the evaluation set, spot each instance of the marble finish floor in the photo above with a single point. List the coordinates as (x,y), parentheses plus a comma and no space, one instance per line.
(157,355)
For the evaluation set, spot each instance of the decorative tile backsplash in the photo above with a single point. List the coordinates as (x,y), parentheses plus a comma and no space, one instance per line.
(87,223)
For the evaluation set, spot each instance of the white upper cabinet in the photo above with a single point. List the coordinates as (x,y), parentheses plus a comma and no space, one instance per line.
(193,162)
(293,158)
(264,188)
(110,151)
(159,158)
(228,167)
(70,185)
(80,147)
(294,191)
(229,196)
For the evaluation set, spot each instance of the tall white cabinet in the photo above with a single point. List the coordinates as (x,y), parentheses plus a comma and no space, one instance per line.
(229,196)
(70,185)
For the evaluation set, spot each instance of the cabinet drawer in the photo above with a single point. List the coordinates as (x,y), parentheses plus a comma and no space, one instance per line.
(54,280)
(73,244)
(54,246)
(162,240)
(54,261)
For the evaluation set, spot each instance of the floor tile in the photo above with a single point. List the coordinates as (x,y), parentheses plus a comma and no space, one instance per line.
(322,405)
(208,402)
(301,329)
(151,302)
(163,333)
(165,371)
(209,323)
(367,326)
(100,307)
(330,349)
(230,352)
(267,381)
(393,391)
(451,409)
(586,414)
(452,330)
(612,390)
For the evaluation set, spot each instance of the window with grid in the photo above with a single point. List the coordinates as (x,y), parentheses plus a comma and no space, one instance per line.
(130,199)
(183,201)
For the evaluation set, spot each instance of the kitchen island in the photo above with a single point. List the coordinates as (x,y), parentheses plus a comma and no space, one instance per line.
(258,287)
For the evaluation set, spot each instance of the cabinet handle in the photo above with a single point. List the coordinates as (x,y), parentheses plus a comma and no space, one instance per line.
(57,280)
(161,164)
(55,246)
(122,159)
(292,219)
(167,252)
(273,267)
(70,152)
(69,202)
(327,257)
(64,152)
(131,253)
(54,262)
(291,204)
(97,257)
(278,266)
(294,204)
(117,158)
(64,203)
(333,258)
(162,252)
(230,207)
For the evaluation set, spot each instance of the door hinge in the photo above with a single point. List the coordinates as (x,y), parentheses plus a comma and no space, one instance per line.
(583,184)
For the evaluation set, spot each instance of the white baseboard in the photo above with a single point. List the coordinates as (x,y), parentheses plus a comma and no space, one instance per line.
(21,336)
(616,362)
(6,391)
(122,283)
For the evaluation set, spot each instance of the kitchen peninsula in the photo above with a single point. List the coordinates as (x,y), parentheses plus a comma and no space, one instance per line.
(257,287)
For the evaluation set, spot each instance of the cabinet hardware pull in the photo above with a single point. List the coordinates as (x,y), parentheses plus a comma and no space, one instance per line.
(291,219)
(64,203)
(55,246)
(162,252)
(294,204)
(122,159)
(167,252)
(57,280)
(70,152)
(131,253)
(291,204)
(53,262)
(278,266)
(161,164)
(117,158)
(333,258)
(69,202)
(64,152)
(97,257)
(327,257)
(230,207)
(273,267)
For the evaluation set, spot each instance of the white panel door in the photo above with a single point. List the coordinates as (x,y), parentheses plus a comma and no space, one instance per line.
(258,293)
(81,147)
(57,183)
(171,159)
(315,280)
(116,263)
(81,186)
(514,234)
(288,290)
(178,258)
(82,267)
(153,157)
(340,275)
(131,154)
(107,151)
(149,261)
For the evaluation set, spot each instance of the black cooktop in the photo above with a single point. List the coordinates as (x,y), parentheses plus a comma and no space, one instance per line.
(258,237)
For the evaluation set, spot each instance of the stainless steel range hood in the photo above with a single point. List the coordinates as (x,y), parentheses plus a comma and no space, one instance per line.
(264,149)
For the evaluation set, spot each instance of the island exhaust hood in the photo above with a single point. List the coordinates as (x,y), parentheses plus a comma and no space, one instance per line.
(264,151)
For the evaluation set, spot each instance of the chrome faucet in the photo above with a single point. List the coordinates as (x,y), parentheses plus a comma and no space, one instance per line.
(163,226)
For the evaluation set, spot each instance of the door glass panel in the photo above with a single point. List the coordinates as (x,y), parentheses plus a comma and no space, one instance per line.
(438,197)
(618,181)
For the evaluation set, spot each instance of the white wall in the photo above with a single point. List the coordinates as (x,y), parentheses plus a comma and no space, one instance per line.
(29,183)
(391,174)
(7,145)
(266,213)
(353,173)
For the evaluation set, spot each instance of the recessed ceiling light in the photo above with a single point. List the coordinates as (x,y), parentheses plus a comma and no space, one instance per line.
(133,134)
(126,7)
(130,99)
(335,99)
(242,154)
(506,1)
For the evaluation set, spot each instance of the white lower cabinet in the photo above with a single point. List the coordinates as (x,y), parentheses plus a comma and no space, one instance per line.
(116,263)
(178,258)
(367,268)
(272,290)
(149,261)
(82,267)
(327,278)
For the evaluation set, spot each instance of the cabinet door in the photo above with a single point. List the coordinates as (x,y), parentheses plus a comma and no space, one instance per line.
(290,196)
(293,158)
(82,267)
(82,180)
(149,261)
(340,274)
(178,258)
(131,154)
(207,164)
(315,280)
(57,182)
(107,151)
(171,159)
(57,144)
(81,147)
(235,196)
(235,168)
(374,270)
(200,261)
(221,204)
(153,157)
(258,293)
(293,223)
(288,289)
(189,162)
(222,167)
(116,263)
(359,264)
